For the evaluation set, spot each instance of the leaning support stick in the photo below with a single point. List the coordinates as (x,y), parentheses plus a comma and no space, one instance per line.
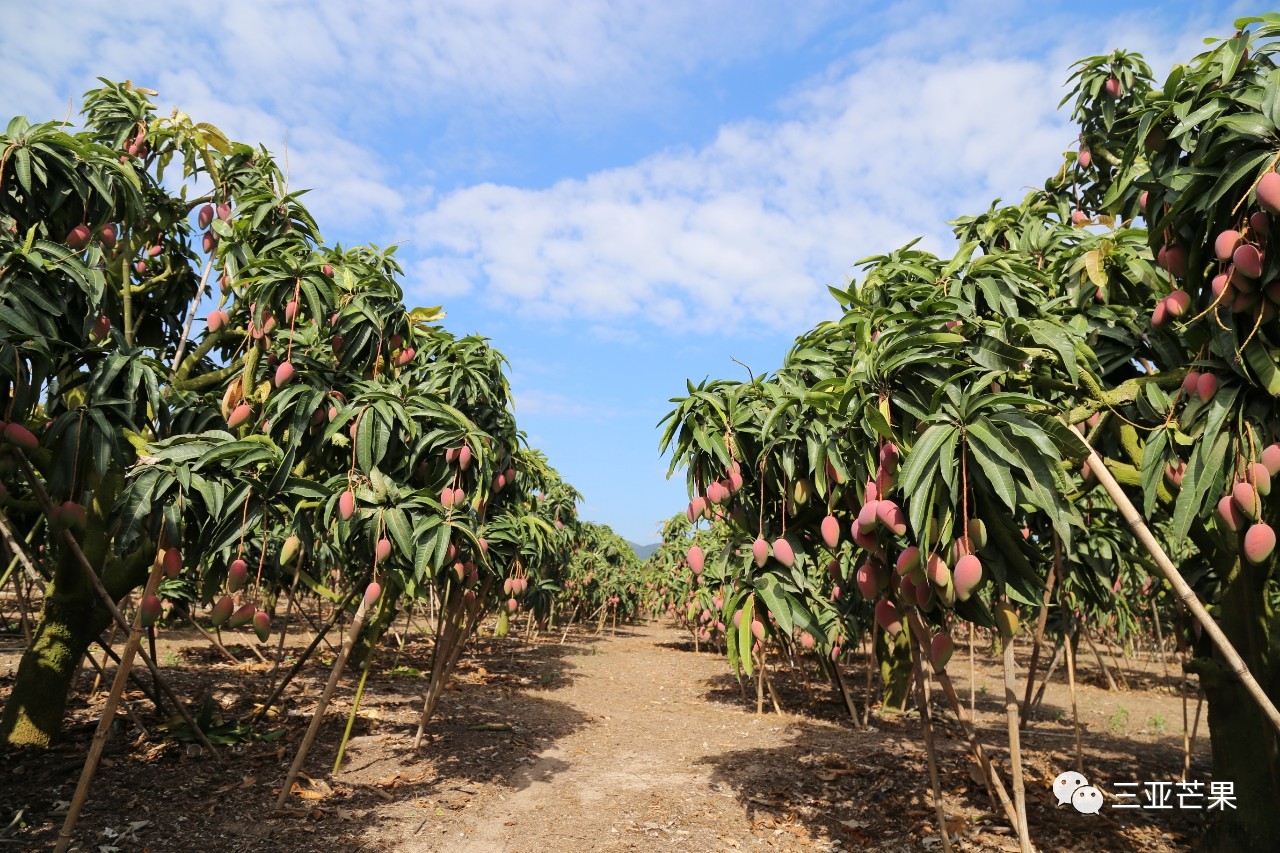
(318,716)
(103,732)
(1180,586)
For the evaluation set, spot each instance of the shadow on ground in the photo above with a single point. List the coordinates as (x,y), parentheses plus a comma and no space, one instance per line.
(497,714)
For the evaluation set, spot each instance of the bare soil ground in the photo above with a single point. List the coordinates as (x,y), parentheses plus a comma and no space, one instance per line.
(626,741)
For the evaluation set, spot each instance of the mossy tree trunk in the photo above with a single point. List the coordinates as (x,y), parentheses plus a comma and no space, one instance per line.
(1246,748)
(72,617)
(894,657)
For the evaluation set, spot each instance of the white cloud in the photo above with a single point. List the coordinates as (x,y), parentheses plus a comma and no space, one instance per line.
(552,404)
(749,229)
(334,78)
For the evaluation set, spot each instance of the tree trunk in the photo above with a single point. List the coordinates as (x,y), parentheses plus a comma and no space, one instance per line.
(72,617)
(894,656)
(1246,750)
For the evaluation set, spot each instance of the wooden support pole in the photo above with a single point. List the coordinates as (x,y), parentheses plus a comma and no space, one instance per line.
(1181,588)
(317,716)
(103,732)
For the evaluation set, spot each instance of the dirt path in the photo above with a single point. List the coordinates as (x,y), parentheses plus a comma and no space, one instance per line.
(641,769)
(626,741)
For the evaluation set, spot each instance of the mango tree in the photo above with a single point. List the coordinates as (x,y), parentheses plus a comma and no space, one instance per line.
(967,373)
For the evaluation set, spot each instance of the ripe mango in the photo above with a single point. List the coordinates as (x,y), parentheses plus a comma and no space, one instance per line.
(869,516)
(237,575)
(20,437)
(782,551)
(831,532)
(866,579)
(908,560)
(1229,515)
(242,616)
(1269,192)
(347,505)
(221,611)
(1248,261)
(887,617)
(79,237)
(284,374)
(940,650)
(1271,459)
(696,559)
(1259,543)
(262,625)
(967,576)
(239,416)
(1246,498)
(149,610)
(760,552)
(172,562)
(1226,243)
(889,514)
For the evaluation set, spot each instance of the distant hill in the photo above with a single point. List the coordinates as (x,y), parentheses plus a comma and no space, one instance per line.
(643,551)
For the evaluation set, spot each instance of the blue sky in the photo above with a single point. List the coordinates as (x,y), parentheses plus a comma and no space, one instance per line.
(622,195)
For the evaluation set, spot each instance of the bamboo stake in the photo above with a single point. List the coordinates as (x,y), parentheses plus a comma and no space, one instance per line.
(1070,652)
(451,653)
(1115,663)
(149,692)
(328,626)
(355,709)
(764,674)
(1164,667)
(23,615)
(869,653)
(106,646)
(926,723)
(449,619)
(69,541)
(759,685)
(1097,656)
(1181,640)
(569,624)
(994,784)
(297,667)
(103,732)
(1184,592)
(973,699)
(211,638)
(317,716)
(1015,747)
(124,703)
(1041,620)
(191,315)
(848,700)
(408,623)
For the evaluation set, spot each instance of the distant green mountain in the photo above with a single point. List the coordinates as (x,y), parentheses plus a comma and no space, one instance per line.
(643,551)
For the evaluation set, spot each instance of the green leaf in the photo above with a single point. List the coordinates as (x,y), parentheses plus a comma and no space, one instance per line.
(992,458)
(772,597)
(1153,465)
